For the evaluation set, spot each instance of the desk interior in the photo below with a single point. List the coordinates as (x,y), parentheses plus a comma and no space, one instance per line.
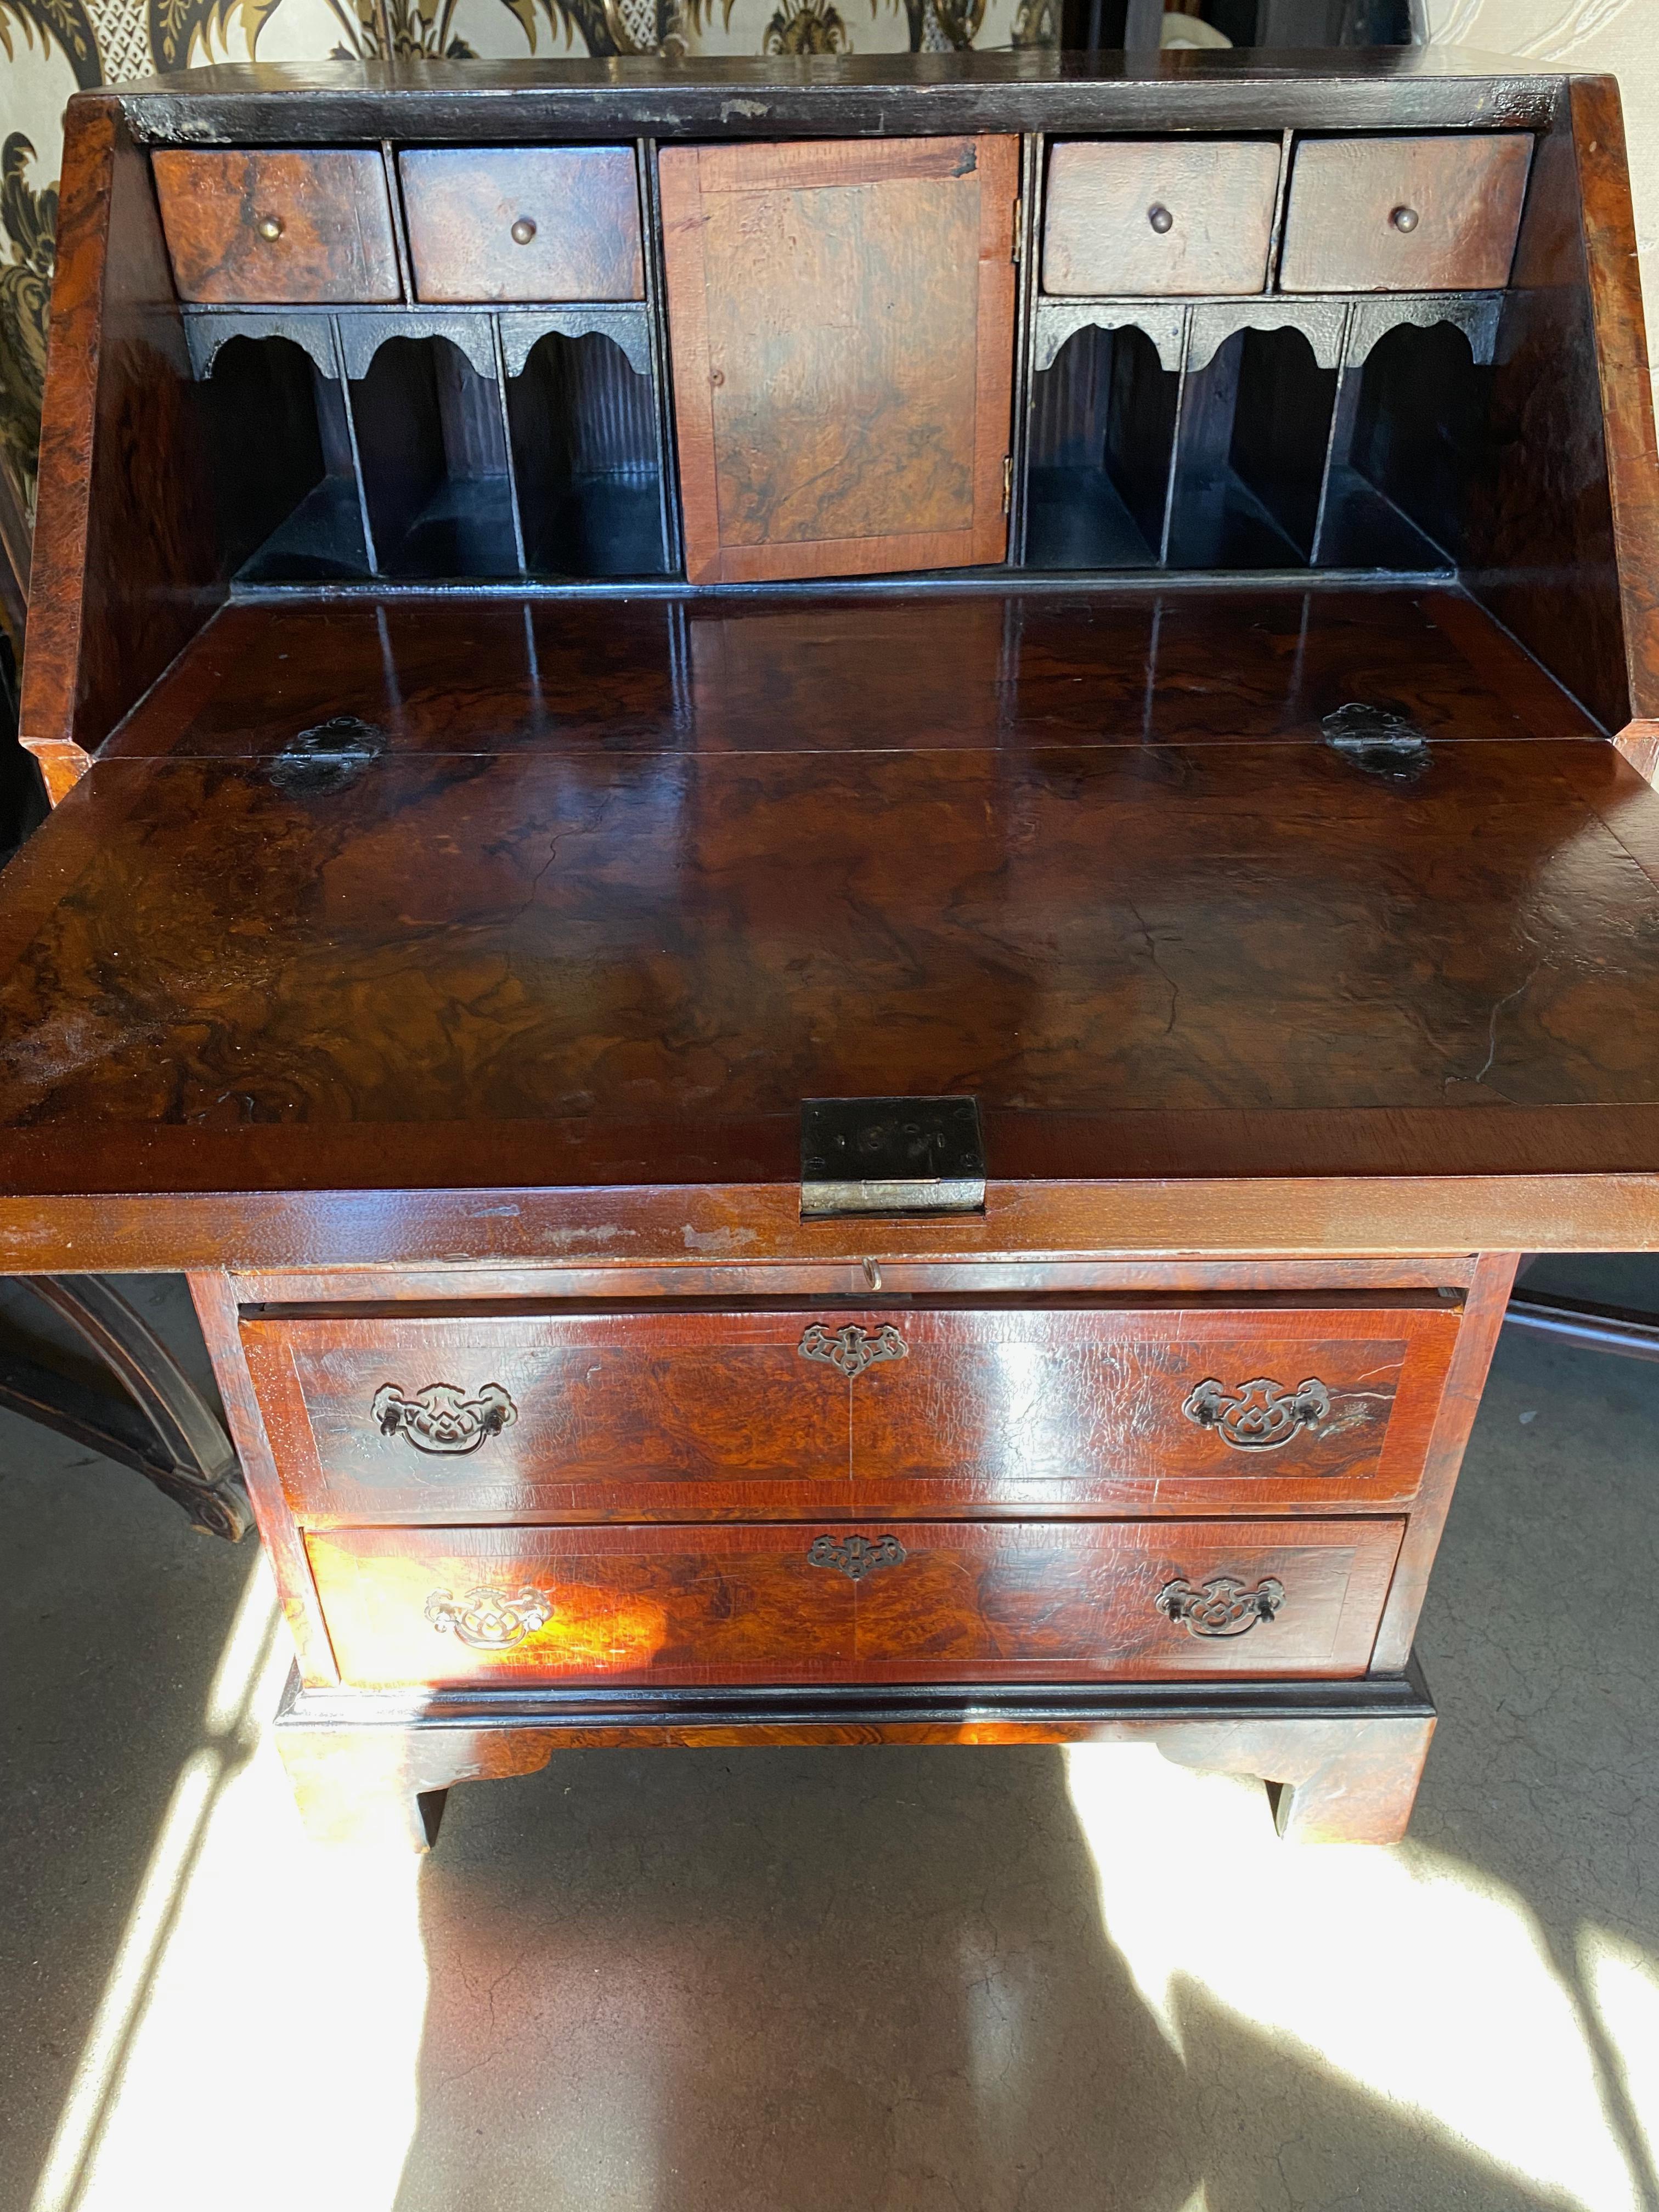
(676,862)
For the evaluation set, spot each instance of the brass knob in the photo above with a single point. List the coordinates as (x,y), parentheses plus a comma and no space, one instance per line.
(1403,218)
(523,231)
(1160,218)
(269,226)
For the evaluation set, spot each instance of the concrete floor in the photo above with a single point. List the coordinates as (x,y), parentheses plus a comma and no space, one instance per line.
(932,1981)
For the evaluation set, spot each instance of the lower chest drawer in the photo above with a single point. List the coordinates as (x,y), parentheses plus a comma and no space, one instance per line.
(903,1602)
(900,1412)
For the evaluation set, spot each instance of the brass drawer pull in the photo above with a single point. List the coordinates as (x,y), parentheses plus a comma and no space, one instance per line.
(855,1556)
(438,1419)
(1161,219)
(851,1349)
(490,1621)
(1259,1415)
(1222,1607)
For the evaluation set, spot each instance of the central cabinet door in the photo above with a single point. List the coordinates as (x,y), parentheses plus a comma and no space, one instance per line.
(841,316)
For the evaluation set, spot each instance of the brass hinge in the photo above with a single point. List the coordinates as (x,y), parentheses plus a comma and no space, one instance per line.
(1007,482)
(1019,229)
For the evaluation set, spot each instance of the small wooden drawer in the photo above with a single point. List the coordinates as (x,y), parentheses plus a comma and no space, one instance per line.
(538,222)
(1128,217)
(278,228)
(660,1415)
(962,1601)
(1404,214)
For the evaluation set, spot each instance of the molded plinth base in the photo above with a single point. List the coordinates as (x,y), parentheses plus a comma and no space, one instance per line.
(1342,1760)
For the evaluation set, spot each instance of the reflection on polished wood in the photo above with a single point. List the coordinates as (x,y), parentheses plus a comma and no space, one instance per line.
(1065,932)
(967,1601)
(1064,1407)
(876,672)
(628,882)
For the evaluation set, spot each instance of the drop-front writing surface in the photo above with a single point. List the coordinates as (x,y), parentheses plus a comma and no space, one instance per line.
(1072,931)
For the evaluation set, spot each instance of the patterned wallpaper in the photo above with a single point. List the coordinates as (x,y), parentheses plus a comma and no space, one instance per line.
(1620,35)
(52,48)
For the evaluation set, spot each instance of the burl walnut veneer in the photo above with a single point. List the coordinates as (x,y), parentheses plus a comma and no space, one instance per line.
(846,850)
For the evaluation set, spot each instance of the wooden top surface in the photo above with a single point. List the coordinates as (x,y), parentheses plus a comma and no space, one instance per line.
(631,880)
(740,96)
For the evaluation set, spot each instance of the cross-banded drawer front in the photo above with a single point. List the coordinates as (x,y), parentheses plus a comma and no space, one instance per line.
(1403,214)
(1130,217)
(646,1415)
(964,1602)
(523,222)
(278,227)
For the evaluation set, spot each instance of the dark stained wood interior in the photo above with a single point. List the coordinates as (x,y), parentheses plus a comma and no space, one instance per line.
(125,565)
(1625,378)
(1562,532)
(872,673)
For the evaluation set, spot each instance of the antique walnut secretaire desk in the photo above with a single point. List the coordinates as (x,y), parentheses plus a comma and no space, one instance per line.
(847,846)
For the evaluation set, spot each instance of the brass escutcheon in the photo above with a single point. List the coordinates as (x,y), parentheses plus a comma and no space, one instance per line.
(855,1556)
(851,1349)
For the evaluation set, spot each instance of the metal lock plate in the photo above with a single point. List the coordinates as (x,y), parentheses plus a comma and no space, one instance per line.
(862,1155)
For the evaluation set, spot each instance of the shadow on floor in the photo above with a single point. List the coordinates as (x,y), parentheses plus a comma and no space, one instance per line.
(837,1979)
(1542,1644)
(115,1616)
(816,1981)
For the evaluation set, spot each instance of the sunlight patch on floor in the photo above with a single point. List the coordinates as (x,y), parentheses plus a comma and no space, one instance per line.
(1623,1984)
(252,1958)
(1410,1976)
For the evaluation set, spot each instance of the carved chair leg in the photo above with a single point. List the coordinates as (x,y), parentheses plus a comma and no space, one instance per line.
(169,1434)
(387,1785)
